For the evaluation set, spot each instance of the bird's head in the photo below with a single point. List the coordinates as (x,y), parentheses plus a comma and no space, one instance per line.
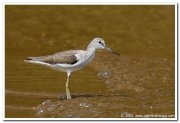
(99,43)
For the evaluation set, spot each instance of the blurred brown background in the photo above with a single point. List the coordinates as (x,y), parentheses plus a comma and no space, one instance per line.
(144,35)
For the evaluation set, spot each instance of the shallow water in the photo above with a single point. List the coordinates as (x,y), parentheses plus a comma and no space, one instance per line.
(138,83)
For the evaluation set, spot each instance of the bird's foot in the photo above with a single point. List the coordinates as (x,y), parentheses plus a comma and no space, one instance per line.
(68,97)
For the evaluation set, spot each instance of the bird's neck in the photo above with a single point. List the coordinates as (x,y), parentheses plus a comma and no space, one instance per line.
(91,50)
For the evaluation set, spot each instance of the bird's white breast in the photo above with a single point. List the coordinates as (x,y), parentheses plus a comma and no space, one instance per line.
(84,58)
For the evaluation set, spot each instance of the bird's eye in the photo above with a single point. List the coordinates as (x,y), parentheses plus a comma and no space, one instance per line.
(100,42)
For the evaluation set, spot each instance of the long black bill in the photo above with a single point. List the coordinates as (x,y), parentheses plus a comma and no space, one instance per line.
(108,49)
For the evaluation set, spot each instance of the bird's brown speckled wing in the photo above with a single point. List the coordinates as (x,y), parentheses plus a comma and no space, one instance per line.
(66,57)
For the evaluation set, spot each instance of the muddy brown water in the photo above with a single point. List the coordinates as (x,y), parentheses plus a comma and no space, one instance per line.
(139,83)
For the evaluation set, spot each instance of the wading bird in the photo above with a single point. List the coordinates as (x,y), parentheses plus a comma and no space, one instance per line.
(72,60)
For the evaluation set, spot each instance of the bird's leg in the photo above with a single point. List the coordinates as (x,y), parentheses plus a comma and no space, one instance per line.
(67,89)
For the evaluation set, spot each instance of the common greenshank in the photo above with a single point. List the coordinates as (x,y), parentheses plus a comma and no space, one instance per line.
(72,60)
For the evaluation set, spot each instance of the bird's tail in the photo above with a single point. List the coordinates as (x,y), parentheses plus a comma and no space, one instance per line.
(30,59)
(36,60)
